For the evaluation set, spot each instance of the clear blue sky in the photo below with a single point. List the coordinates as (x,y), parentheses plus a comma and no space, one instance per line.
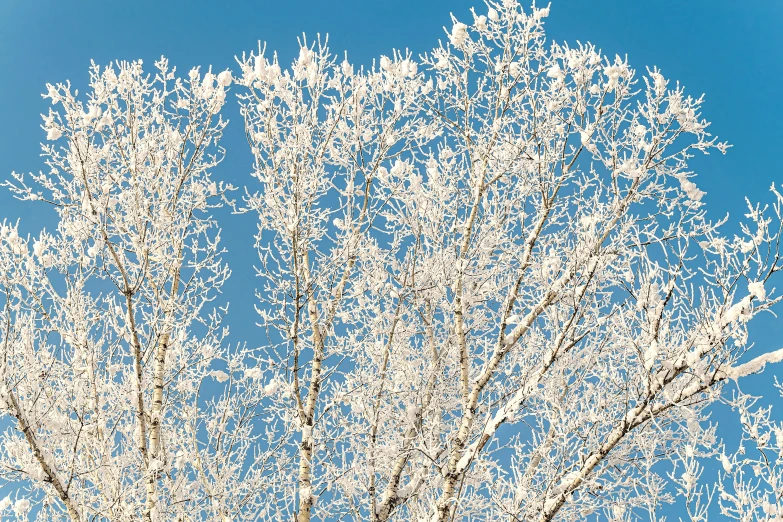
(730,50)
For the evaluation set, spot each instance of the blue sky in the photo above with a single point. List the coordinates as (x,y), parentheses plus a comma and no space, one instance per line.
(730,50)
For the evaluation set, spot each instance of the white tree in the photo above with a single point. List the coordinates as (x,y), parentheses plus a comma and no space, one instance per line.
(108,334)
(491,285)
(321,134)
(489,290)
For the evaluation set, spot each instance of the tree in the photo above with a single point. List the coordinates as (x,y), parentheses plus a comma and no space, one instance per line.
(108,333)
(490,290)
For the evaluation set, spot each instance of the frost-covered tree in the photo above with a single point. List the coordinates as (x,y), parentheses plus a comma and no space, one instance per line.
(108,332)
(321,134)
(489,290)
(491,286)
